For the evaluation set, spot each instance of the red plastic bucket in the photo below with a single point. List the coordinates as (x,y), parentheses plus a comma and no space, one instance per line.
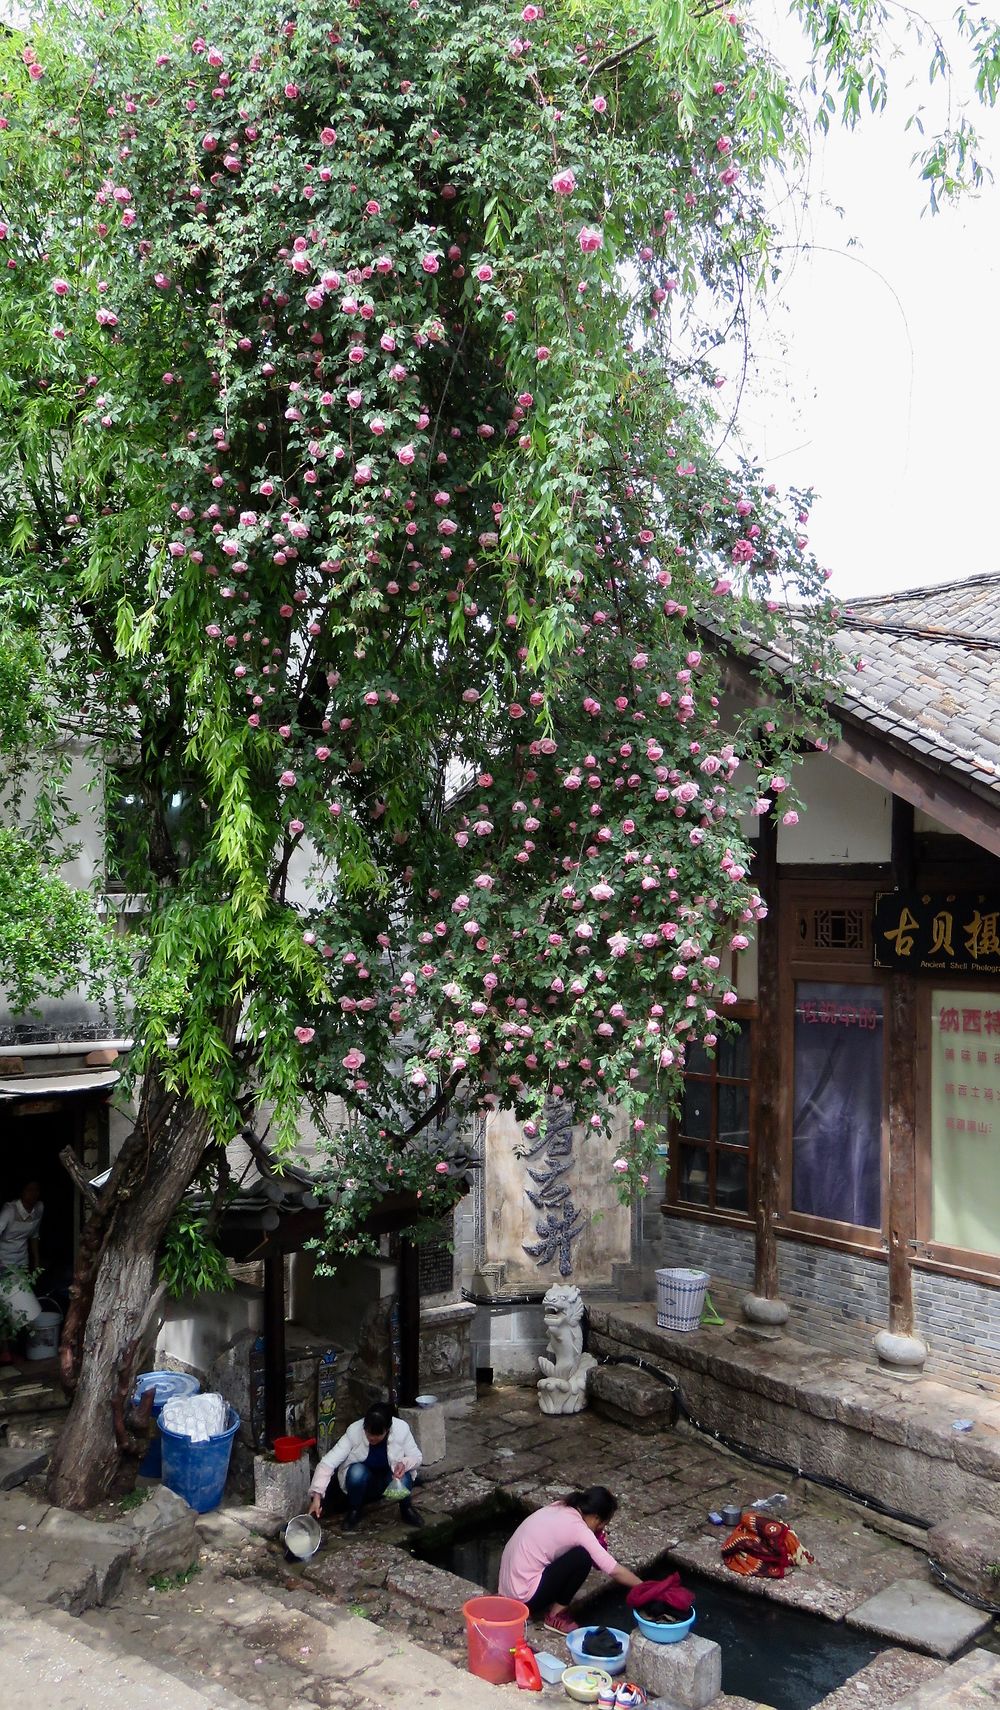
(493,1626)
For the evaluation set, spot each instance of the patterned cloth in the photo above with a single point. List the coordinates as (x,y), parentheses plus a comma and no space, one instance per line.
(760,1548)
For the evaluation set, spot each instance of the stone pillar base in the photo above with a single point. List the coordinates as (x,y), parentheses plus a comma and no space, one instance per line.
(900,1354)
(428,1427)
(758,1309)
(281,1487)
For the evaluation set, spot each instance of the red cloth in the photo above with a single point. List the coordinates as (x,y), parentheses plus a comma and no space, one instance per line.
(669,1591)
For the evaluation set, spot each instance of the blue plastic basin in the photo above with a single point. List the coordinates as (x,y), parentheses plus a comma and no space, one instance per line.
(167,1385)
(664,1632)
(198,1471)
(610,1665)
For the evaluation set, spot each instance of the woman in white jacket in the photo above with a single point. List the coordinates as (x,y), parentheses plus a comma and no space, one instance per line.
(371,1453)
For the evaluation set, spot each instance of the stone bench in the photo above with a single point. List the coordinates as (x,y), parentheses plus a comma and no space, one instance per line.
(631,1398)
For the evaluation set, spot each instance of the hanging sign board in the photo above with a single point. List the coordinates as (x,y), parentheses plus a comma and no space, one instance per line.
(937,932)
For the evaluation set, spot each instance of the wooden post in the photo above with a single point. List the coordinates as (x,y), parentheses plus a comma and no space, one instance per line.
(767,1067)
(901,1044)
(274,1346)
(409,1322)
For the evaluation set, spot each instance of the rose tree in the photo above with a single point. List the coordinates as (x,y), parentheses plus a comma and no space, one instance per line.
(362,504)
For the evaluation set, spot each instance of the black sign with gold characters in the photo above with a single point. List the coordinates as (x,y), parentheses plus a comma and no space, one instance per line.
(922,932)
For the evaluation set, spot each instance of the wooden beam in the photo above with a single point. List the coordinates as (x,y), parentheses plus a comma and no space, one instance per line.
(409,1322)
(274,1346)
(766,1084)
(901,1044)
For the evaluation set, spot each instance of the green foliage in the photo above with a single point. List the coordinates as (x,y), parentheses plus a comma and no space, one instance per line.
(52,940)
(362,507)
(174,1581)
(191,1263)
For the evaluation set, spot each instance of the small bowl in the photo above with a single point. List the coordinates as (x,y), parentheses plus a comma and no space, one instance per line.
(664,1632)
(426,1401)
(583,1684)
(613,1665)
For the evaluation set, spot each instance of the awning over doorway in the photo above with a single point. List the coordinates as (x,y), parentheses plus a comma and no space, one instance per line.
(54,1085)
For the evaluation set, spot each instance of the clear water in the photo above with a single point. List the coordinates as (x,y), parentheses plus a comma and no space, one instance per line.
(775,1655)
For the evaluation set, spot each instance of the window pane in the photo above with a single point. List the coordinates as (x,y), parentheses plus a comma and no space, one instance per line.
(696,1110)
(693,1175)
(965,1119)
(731,1193)
(734,1115)
(696,1059)
(733,1055)
(837,1120)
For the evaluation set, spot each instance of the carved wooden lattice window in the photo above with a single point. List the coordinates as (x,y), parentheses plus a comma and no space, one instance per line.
(841,927)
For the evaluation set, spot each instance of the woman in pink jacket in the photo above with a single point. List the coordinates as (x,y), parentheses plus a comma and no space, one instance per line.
(552,1552)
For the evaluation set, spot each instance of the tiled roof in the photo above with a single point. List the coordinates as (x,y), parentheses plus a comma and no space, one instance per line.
(931,674)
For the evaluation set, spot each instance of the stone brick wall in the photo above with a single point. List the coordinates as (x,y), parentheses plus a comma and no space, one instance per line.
(960,1322)
(838,1301)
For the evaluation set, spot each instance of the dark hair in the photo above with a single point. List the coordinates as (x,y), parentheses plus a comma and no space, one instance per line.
(597,1501)
(378,1419)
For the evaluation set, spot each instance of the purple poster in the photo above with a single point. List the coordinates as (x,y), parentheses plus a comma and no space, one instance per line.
(837,1119)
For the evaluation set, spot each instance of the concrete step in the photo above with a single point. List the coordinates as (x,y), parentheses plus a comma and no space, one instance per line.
(50,1662)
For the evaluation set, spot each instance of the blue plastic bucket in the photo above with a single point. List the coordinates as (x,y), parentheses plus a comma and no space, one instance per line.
(198,1471)
(167,1386)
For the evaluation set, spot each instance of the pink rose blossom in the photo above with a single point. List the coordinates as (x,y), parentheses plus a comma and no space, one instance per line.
(305,1035)
(564,183)
(590,239)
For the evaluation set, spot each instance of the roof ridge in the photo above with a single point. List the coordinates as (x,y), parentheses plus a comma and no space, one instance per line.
(983,578)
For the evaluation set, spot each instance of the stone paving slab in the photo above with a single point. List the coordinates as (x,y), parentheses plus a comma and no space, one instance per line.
(884,1680)
(46,1663)
(18,1465)
(915,1613)
(972,1683)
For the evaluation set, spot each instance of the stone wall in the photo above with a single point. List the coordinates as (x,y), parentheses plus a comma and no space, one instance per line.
(512,1223)
(838,1301)
(960,1322)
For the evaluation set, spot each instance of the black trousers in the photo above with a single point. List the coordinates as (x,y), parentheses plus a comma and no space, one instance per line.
(560,1581)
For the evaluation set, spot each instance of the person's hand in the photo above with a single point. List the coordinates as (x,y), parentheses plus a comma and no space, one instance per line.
(316,1506)
(398,1470)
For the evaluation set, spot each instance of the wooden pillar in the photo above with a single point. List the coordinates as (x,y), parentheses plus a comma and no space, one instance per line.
(409,1322)
(766,1090)
(901,1045)
(274,1346)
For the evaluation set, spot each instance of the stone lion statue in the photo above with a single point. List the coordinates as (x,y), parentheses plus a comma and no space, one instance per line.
(562,1388)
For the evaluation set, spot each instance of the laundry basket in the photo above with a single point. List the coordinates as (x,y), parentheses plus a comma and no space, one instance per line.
(680,1298)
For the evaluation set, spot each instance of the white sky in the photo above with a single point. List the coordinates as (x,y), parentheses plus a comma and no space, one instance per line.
(879,366)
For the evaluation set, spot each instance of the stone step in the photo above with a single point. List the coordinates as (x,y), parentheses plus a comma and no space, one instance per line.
(283,1648)
(972,1683)
(50,1662)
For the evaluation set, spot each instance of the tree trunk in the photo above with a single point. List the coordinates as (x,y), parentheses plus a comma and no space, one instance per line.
(97,1453)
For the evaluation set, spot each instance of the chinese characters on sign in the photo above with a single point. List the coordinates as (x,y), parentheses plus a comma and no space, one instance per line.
(965,1119)
(551,1195)
(937,933)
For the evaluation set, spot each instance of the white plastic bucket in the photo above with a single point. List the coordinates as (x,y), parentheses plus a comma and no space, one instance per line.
(43,1336)
(680,1298)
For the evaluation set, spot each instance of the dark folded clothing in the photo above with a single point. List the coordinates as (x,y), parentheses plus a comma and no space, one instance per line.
(601,1643)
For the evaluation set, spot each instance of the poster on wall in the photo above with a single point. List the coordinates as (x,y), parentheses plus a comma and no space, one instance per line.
(965,1119)
(927,932)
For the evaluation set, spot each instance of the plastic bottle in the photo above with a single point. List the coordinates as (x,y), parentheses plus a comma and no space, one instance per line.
(526,1668)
